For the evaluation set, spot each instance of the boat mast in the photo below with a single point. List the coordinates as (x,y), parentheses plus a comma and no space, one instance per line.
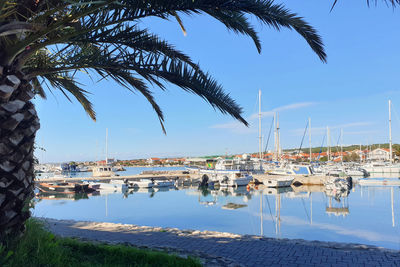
(309,136)
(328,143)
(341,145)
(277,135)
(275,142)
(106,146)
(259,127)
(390,132)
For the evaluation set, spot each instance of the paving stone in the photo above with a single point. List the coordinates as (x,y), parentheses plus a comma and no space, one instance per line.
(224,249)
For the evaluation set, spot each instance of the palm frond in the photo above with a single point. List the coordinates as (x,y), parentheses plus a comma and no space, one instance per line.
(65,83)
(179,20)
(38,89)
(60,37)
(151,66)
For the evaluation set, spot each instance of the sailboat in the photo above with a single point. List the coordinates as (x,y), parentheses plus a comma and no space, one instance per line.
(104,170)
(385,167)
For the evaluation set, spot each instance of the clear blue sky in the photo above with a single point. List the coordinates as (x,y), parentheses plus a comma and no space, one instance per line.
(350,91)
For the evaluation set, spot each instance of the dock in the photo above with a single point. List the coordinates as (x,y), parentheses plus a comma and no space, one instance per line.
(162,175)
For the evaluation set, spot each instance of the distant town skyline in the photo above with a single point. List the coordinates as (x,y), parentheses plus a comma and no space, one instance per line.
(350,92)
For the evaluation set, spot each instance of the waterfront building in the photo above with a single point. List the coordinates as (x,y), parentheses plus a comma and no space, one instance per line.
(153,161)
(379,154)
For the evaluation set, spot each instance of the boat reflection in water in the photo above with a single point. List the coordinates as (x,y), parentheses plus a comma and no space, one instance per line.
(61,196)
(363,214)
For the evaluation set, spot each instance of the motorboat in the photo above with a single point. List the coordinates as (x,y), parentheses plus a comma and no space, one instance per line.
(235,180)
(341,170)
(222,166)
(102,171)
(92,185)
(278,181)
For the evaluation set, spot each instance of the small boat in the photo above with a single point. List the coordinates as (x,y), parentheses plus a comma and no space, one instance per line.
(379,181)
(64,187)
(282,181)
(94,186)
(234,180)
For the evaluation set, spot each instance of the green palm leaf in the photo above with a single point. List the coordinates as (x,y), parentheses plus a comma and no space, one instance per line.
(51,40)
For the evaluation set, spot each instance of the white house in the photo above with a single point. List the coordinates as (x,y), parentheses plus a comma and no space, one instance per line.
(153,160)
(379,154)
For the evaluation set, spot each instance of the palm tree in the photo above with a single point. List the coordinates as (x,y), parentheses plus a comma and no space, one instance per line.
(45,42)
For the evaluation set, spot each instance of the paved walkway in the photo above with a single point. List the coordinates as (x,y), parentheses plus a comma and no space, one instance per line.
(239,250)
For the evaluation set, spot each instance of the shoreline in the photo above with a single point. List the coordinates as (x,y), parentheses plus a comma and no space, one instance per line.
(227,248)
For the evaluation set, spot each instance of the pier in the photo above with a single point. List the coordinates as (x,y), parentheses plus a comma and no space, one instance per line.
(157,175)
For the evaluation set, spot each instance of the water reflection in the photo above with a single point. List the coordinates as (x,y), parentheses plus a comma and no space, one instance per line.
(359,215)
(62,196)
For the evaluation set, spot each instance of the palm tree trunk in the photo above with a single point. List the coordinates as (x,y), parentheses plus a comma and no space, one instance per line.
(18,126)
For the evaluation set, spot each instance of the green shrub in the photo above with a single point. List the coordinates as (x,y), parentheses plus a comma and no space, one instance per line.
(38,247)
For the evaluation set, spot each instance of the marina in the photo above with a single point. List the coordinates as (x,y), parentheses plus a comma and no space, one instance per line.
(199,147)
(311,212)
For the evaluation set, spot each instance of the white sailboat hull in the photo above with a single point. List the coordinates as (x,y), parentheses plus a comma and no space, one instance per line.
(278,182)
(383,169)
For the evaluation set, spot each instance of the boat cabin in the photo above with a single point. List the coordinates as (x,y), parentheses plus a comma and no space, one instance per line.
(102,171)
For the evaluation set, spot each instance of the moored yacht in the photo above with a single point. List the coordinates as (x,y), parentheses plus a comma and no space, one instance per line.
(227,166)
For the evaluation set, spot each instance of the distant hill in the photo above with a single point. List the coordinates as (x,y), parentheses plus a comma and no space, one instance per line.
(396,147)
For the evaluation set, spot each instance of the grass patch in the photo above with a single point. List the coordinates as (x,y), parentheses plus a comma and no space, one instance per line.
(38,247)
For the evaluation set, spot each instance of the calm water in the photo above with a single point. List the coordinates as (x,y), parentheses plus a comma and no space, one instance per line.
(367,215)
